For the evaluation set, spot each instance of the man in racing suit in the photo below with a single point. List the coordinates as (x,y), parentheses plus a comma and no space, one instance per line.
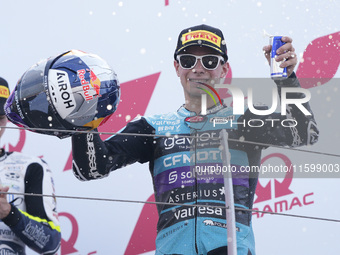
(191,220)
(25,219)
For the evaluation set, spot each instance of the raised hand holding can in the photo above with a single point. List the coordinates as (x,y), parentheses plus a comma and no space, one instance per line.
(276,72)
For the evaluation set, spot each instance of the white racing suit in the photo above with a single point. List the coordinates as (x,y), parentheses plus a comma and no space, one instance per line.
(33,220)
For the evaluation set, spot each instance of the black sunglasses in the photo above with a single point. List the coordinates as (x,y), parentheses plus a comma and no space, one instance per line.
(209,62)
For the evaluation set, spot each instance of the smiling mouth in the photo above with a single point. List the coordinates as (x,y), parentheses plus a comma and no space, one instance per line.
(199,80)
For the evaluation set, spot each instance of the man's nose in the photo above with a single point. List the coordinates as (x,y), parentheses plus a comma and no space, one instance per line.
(199,68)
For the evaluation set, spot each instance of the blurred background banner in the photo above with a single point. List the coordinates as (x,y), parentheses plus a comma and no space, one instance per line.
(138,38)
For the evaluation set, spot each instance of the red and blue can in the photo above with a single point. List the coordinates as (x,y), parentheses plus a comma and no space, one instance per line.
(276,72)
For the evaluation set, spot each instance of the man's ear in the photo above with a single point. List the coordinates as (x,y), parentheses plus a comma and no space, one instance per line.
(225,69)
(176,65)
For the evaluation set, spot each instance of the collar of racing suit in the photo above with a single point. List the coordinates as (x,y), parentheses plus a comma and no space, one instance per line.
(186,113)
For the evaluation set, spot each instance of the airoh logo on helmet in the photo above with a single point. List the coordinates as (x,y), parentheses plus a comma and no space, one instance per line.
(61,92)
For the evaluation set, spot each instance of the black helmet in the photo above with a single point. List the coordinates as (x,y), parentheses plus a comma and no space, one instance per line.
(73,91)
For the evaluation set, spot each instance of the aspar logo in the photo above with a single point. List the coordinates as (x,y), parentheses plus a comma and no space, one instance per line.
(91,89)
(61,92)
(221,120)
(277,196)
(196,119)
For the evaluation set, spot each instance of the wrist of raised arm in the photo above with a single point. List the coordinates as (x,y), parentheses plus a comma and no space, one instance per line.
(291,81)
(13,216)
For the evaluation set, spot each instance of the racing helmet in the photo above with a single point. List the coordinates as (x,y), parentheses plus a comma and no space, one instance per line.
(73,91)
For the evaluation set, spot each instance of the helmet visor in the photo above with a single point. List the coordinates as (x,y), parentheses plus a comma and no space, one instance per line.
(30,97)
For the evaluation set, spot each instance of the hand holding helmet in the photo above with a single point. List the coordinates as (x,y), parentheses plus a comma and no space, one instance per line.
(73,91)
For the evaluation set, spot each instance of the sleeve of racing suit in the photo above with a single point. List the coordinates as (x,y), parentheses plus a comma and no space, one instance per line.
(292,129)
(94,158)
(38,226)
